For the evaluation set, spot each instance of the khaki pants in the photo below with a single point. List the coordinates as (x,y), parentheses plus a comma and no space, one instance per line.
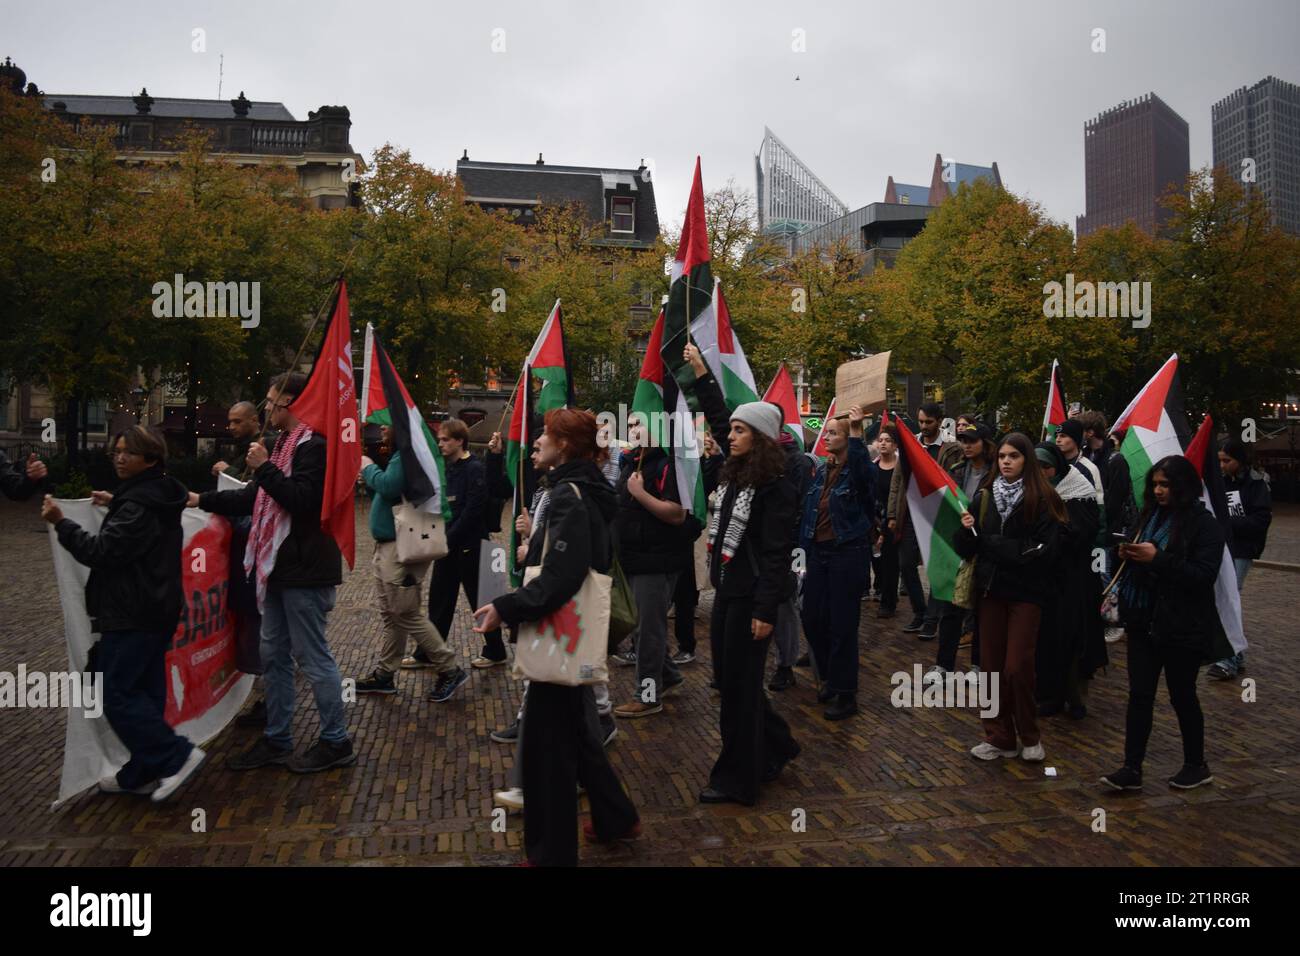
(398,587)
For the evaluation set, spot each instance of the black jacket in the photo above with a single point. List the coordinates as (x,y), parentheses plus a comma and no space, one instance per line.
(135,560)
(467,494)
(1013,559)
(1250,521)
(579,540)
(13,479)
(308,557)
(1117,484)
(645,544)
(1180,581)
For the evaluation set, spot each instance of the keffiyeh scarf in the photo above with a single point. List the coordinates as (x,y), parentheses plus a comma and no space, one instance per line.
(1007,494)
(736,524)
(271,523)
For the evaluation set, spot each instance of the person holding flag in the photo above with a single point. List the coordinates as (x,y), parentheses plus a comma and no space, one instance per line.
(839,515)
(397,586)
(1250,512)
(1011,531)
(298,568)
(1166,596)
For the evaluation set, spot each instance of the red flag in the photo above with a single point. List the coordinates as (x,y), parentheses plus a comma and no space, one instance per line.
(781,392)
(819,446)
(328,406)
(1198,451)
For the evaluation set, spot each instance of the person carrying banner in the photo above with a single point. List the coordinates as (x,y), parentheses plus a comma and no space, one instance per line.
(297,567)
(1011,530)
(467,493)
(134,599)
(1250,512)
(1167,598)
(839,514)
(397,587)
(20,482)
(751,538)
(243,426)
(561,744)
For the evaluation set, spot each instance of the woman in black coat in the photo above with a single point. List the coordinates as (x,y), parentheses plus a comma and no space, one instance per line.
(562,740)
(1071,641)
(751,537)
(1166,598)
(1011,531)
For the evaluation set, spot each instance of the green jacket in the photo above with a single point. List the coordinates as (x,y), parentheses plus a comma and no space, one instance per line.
(387,484)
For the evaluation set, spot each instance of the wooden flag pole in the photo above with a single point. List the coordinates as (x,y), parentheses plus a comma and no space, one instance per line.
(510,404)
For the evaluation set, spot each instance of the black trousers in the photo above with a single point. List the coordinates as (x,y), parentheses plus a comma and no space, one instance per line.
(909,559)
(886,567)
(560,749)
(754,736)
(832,610)
(459,569)
(686,598)
(134,690)
(1145,661)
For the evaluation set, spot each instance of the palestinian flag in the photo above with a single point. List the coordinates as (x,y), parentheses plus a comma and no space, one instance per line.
(781,392)
(327,406)
(657,392)
(424,473)
(1154,425)
(1055,415)
(716,339)
(689,294)
(935,504)
(1203,453)
(819,446)
(548,361)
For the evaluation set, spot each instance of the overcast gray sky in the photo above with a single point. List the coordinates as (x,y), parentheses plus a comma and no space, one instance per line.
(881,88)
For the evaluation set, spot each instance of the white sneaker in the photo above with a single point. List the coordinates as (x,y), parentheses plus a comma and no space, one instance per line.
(169,785)
(512,799)
(986,751)
(1035,753)
(110,785)
(1114,635)
(935,669)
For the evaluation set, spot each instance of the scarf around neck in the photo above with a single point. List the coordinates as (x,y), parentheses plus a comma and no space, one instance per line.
(1007,494)
(736,524)
(271,523)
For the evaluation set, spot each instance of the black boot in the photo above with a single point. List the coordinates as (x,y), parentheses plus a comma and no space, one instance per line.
(844,705)
(783,679)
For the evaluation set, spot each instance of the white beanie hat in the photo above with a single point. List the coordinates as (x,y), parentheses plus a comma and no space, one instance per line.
(763,417)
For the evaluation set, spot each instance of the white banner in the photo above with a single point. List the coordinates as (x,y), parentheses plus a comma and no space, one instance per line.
(205,690)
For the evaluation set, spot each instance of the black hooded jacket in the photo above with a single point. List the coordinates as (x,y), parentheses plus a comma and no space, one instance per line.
(1249,515)
(575,536)
(647,545)
(135,560)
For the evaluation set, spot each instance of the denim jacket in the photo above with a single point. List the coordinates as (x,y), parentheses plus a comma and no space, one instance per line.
(852,501)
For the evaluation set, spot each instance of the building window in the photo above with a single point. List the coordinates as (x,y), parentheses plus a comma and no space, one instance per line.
(624,216)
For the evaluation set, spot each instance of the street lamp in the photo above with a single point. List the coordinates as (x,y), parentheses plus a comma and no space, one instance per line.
(140,398)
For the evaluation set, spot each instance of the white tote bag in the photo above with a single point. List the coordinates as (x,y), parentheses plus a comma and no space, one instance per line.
(570,645)
(421,535)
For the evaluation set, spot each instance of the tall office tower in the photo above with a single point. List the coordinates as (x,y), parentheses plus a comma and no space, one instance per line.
(1132,154)
(1262,123)
(791,198)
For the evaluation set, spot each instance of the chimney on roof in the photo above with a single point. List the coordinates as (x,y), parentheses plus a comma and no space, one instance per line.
(539,160)
(464,158)
(143,101)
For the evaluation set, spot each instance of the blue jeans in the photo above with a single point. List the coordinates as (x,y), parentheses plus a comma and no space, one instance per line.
(135,695)
(832,610)
(293,629)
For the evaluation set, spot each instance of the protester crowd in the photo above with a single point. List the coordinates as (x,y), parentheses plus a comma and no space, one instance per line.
(794,542)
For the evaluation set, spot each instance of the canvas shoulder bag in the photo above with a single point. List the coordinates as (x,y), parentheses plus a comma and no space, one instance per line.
(570,645)
(421,535)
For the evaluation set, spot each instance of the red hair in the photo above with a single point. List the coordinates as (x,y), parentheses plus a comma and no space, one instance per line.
(574,430)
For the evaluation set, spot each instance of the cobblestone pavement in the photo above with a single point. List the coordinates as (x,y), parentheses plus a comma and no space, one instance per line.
(892,786)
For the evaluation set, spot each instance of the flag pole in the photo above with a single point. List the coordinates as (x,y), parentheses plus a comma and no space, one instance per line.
(510,404)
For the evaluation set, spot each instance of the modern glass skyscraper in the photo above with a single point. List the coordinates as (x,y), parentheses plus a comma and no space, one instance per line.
(790,196)
(1262,123)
